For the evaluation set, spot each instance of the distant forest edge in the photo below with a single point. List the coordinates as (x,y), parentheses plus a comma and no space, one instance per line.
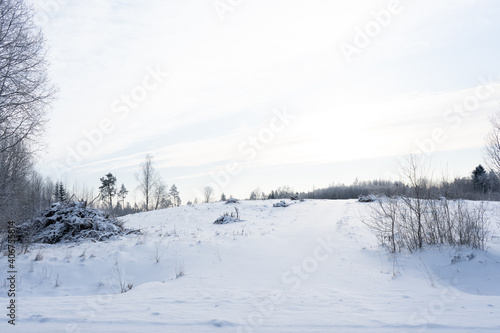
(481,185)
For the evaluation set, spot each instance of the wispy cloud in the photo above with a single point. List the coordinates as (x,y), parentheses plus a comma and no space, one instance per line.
(227,76)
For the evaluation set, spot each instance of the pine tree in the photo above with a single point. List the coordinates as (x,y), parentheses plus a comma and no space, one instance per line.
(223,197)
(174,194)
(108,189)
(122,194)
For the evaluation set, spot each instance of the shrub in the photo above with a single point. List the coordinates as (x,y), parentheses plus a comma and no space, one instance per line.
(282,203)
(228,217)
(407,223)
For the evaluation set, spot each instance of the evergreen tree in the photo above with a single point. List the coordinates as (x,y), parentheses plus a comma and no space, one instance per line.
(223,197)
(122,194)
(480,179)
(59,192)
(174,194)
(108,189)
(493,182)
(56,192)
(62,193)
(253,196)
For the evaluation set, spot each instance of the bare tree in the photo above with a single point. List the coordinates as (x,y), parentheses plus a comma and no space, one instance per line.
(25,93)
(207,193)
(415,173)
(256,194)
(159,192)
(25,90)
(492,149)
(148,179)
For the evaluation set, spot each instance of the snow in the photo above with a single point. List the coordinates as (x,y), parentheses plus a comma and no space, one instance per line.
(311,267)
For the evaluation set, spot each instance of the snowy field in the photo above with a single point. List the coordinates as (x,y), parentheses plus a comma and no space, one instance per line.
(309,267)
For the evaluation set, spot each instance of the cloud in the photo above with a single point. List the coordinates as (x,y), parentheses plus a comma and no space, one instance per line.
(227,76)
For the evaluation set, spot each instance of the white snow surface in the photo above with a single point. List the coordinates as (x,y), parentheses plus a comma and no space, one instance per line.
(309,267)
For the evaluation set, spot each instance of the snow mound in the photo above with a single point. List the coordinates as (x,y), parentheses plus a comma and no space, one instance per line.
(282,203)
(68,222)
(367,198)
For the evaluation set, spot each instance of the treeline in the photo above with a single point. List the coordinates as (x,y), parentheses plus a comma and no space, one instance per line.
(24,193)
(112,197)
(481,185)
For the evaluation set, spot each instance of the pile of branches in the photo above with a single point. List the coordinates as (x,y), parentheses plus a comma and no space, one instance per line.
(70,222)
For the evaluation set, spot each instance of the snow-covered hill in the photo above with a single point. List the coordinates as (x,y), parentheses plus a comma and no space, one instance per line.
(309,267)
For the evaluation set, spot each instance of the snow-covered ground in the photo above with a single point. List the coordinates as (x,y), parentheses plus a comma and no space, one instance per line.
(309,267)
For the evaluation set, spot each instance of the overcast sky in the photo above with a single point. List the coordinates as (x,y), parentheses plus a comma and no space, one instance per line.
(265,93)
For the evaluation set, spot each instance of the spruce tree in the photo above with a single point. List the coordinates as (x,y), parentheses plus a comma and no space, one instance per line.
(59,192)
(480,179)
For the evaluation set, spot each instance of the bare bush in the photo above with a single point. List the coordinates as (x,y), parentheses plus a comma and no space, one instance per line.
(229,217)
(457,223)
(118,283)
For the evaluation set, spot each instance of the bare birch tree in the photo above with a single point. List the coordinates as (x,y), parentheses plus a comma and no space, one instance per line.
(492,149)
(207,193)
(148,179)
(25,93)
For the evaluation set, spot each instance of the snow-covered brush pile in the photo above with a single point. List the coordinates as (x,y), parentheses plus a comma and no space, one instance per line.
(228,218)
(282,203)
(231,201)
(67,222)
(367,198)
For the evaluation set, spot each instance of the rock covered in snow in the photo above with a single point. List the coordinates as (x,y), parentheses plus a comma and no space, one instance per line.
(67,222)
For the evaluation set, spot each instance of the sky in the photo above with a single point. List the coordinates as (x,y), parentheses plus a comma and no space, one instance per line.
(239,94)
